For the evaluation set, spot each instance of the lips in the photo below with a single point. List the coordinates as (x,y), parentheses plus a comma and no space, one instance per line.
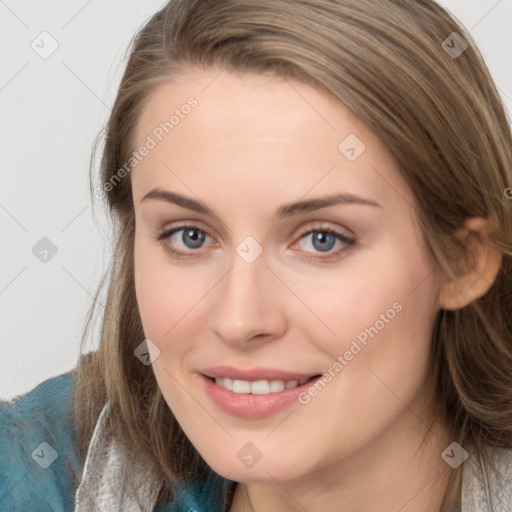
(248,397)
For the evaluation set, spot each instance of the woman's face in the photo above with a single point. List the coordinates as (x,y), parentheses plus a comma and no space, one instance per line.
(271,285)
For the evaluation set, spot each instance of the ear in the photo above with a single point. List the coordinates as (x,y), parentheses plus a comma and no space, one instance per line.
(479,268)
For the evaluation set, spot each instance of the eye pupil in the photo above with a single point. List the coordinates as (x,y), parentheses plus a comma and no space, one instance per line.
(195,236)
(321,237)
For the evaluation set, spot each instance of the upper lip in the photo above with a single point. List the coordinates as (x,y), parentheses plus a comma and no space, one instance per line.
(253,374)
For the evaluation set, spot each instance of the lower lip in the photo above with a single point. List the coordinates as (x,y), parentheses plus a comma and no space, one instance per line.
(250,406)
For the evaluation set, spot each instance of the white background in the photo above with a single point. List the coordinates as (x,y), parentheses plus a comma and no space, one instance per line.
(50,112)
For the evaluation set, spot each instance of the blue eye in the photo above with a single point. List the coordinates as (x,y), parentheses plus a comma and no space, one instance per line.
(192,237)
(324,240)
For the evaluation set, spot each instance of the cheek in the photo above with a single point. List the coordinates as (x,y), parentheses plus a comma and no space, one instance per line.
(152,294)
(163,300)
(163,295)
(386,290)
(383,323)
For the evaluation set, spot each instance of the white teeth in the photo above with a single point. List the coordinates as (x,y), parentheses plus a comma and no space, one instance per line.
(276,385)
(241,386)
(259,387)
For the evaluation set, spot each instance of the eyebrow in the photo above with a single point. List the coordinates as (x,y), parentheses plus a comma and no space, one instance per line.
(284,211)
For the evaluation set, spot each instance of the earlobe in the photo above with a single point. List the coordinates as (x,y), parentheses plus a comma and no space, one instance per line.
(479,268)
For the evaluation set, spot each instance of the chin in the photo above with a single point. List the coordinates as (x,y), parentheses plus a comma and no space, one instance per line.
(266,469)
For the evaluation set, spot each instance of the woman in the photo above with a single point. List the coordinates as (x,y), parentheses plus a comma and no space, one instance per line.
(309,302)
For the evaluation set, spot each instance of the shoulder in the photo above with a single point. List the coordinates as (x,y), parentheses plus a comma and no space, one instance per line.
(38,460)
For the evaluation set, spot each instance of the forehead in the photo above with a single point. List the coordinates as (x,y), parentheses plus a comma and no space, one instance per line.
(259,105)
(261,130)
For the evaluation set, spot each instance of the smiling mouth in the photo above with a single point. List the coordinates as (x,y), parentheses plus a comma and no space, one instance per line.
(259,387)
(256,398)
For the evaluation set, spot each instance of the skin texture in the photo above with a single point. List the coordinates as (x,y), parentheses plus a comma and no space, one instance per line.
(252,144)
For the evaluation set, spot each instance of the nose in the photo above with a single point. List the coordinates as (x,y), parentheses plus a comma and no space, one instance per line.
(248,310)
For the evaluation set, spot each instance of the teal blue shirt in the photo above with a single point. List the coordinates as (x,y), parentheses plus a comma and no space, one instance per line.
(39,464)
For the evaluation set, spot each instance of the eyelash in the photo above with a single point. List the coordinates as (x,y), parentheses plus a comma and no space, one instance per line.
(175,253)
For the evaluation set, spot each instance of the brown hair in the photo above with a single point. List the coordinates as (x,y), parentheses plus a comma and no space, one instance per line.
(439,114)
